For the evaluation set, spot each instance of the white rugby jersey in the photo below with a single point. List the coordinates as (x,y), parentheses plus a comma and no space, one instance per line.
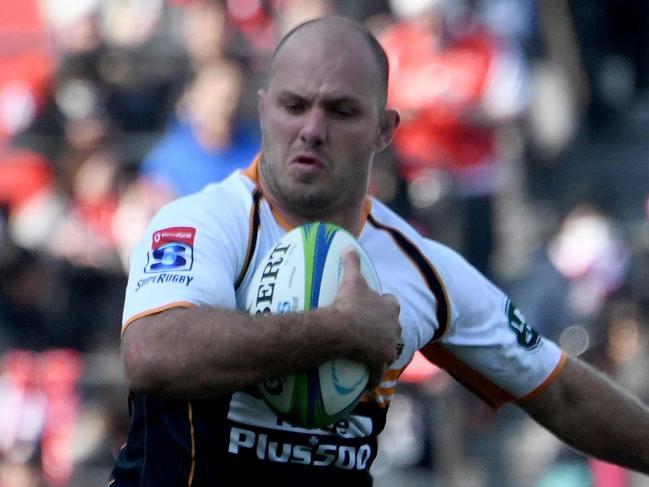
(203,249)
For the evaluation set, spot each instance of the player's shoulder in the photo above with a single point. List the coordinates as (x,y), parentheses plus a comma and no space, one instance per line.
(446,260)
(227,201)
(385,219)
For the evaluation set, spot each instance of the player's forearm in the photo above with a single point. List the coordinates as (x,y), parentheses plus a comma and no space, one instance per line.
(591,413)
(205,351)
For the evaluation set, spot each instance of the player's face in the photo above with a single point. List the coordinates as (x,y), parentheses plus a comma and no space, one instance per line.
(321,123)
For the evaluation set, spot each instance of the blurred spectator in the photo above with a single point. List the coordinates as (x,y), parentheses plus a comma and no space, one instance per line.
(143,66)
(24,174)
(39,404)
(134,69)
(81,200)
(584,262)
(254,19)
(209,36)
(590,251)
(455,84)
(620,346)
(362,10)
(84,236)
(47,303)
(514,20)
(263,22)
(205,31)
(207,140)
(290,13)
(26,66)
(130,79)
(620,349)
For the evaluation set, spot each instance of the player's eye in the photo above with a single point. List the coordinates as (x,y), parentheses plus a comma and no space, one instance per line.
(342,111)
(293,105)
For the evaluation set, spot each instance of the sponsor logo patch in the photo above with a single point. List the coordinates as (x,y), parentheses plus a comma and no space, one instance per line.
(271,446)
(163,278)
(172,249)
(526,336)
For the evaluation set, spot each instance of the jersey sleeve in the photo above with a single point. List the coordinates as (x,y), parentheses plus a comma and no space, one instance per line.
(489,346)
(188,256)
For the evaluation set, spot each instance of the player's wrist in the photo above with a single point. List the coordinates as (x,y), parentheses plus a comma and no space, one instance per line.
(332,326)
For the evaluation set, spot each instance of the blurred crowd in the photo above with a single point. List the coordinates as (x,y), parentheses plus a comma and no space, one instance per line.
(522,145)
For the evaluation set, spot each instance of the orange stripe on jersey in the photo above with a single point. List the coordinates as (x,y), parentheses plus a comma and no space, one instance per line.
(281,220)
(491,393)
(190,415)
(546,382)
(379,401)
(385,391)
(252,171)
(382,396)
(367,209)
(392,374)
(253,229)
(160,309)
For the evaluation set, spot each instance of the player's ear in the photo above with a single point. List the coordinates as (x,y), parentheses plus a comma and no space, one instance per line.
(387,127)
(261,101)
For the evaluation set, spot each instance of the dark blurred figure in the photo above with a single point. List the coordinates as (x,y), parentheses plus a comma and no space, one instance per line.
(614,42)
(621,347)
(46,303)
(115,52)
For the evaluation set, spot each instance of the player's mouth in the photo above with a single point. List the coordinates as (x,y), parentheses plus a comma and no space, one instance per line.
(307,164)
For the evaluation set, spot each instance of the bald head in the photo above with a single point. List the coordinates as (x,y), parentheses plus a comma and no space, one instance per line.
(323,118)
(329,32)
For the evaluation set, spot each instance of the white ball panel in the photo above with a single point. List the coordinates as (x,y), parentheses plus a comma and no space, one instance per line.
(278,392)
(342,381)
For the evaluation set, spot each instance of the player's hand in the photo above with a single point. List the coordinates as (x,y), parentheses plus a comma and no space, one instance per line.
(371,320)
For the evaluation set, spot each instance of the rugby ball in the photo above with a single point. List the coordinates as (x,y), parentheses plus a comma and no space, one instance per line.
(302,272)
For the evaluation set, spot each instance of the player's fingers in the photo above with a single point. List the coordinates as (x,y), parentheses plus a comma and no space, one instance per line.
(393,301)
(351,264)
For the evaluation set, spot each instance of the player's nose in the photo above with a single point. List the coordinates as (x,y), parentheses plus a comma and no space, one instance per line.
(314,127)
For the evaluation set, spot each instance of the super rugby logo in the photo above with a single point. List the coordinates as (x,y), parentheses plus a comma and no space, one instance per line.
(172,249)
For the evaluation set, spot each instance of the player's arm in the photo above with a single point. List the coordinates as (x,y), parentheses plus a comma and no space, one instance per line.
(593,414)
(492,344)
(207,351)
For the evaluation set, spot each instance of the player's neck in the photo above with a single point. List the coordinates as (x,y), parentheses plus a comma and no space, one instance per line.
(351,219)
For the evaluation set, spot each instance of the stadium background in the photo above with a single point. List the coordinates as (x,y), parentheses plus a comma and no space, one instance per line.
(110,108)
